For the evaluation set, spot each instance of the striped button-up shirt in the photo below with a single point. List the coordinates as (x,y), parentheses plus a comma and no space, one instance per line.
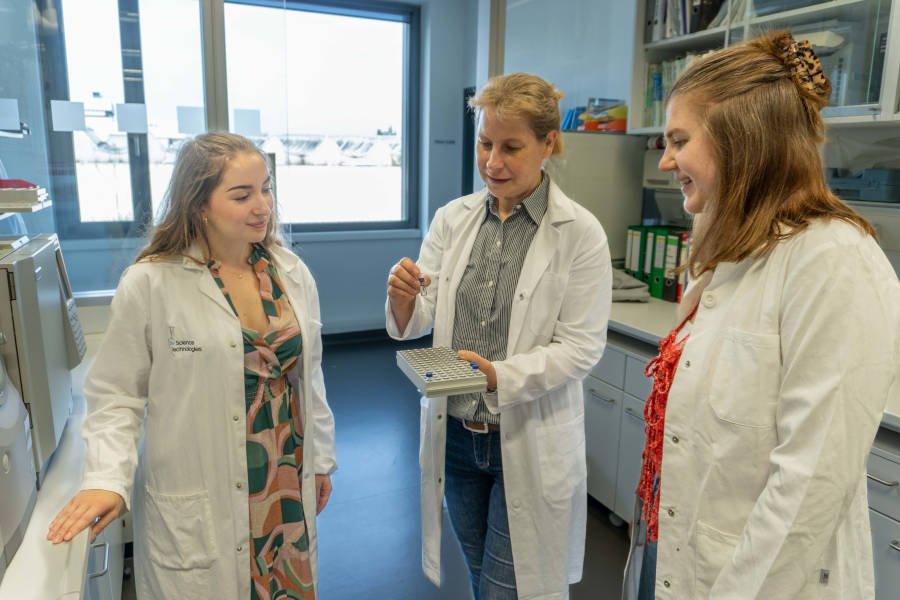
(485,294)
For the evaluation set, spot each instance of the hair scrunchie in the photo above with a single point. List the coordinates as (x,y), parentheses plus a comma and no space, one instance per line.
(806,68)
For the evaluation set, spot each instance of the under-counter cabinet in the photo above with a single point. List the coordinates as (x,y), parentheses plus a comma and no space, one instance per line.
(883,471)
(105,564)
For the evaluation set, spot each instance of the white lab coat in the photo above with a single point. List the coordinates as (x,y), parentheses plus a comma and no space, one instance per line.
(174,348)
(557,332)
(777,397)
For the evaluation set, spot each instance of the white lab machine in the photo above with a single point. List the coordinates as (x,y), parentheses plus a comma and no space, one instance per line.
(40,337)
(18,491)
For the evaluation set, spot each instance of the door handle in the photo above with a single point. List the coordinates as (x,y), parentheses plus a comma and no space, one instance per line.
(105,568)
(600,396)
(631,411)
(882,481)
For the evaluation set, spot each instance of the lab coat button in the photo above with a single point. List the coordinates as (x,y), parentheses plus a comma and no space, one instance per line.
(517,504)
(666,583)
(521,296)
(671,512)
(439,417)
(239,548)
(709,300)
(306,476)
(239,485)
(235,418)
(233,344)
(675,439)
(687,364)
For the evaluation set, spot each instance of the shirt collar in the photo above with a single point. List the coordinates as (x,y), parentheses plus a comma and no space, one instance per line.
(535,204)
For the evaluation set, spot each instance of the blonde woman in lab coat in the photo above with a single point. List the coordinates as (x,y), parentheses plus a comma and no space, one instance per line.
(518,278)
(767,397)
(214,346)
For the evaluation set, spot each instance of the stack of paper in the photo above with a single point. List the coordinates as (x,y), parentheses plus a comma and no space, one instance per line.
(21,199)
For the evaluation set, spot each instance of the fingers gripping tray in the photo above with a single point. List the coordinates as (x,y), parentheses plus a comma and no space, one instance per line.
(440,372)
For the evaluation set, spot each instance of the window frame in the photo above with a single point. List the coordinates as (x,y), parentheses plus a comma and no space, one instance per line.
(66,206)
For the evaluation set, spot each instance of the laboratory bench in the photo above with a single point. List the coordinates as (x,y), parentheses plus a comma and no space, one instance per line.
(614,396)
(77,570)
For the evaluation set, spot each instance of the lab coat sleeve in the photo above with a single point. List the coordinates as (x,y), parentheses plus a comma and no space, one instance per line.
(838,361)
(579,335)
(116,391)
(429,263)
(323,418)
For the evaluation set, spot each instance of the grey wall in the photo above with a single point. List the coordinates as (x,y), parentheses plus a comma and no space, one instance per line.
(584,47)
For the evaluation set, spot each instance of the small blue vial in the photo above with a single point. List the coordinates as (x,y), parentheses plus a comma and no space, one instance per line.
(422,288)
(428,374)
(474,365)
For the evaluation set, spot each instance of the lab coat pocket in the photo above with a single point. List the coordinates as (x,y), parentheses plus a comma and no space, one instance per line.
(744,378)
(561,458)
(178,531)
(546,301)
(714,549)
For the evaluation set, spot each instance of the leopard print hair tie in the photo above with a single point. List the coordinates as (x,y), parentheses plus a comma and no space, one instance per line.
(806,68)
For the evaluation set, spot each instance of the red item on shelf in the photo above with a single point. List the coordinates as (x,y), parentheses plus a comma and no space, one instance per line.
(16,184)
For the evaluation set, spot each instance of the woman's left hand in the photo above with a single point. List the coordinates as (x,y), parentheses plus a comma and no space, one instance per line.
(484,365)
(323,491)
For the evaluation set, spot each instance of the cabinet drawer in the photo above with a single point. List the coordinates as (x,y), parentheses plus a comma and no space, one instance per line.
(611,367)
(884,485)
(631,447)
(602,406)
(886,555)
(636,383)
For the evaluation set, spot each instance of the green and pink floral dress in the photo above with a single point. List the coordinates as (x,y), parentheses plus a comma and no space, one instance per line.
(280,566)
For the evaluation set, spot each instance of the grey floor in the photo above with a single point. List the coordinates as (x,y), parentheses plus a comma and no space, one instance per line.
(369,534)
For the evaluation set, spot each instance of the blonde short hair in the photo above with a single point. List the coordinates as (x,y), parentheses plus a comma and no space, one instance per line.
(524,96)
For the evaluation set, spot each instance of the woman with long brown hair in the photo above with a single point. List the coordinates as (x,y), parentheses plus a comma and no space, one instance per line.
(767,397)
(213,347)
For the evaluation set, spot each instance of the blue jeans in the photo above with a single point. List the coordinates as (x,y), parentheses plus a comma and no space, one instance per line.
(647,582)
(476,501)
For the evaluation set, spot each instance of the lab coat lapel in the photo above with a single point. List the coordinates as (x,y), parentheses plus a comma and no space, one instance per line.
(540,253)
(205,283)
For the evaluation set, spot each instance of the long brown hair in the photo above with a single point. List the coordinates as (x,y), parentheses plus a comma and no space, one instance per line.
(762,117)
(199,167)
(524,96)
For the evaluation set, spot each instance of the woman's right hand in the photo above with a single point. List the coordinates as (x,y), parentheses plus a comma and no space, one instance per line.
(403,287)
(81,511)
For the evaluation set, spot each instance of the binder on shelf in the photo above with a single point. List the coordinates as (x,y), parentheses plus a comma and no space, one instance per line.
(635,251)
(684,251)
(647,244)
(628,251)
(672,281)
(657,236)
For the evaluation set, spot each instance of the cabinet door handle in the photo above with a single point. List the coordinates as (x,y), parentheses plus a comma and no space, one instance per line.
(631,411)
(105,568)
(882,481)
(600,396)
(895,545)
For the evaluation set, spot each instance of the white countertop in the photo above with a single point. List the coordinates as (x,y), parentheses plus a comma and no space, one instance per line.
(39,570)
(645,321)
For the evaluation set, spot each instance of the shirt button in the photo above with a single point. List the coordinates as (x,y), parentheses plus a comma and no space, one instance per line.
(709,300)
(499,244)
(484,323)
(674,439)
(666,583)
(490,284)
(671,512)
(474,403)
